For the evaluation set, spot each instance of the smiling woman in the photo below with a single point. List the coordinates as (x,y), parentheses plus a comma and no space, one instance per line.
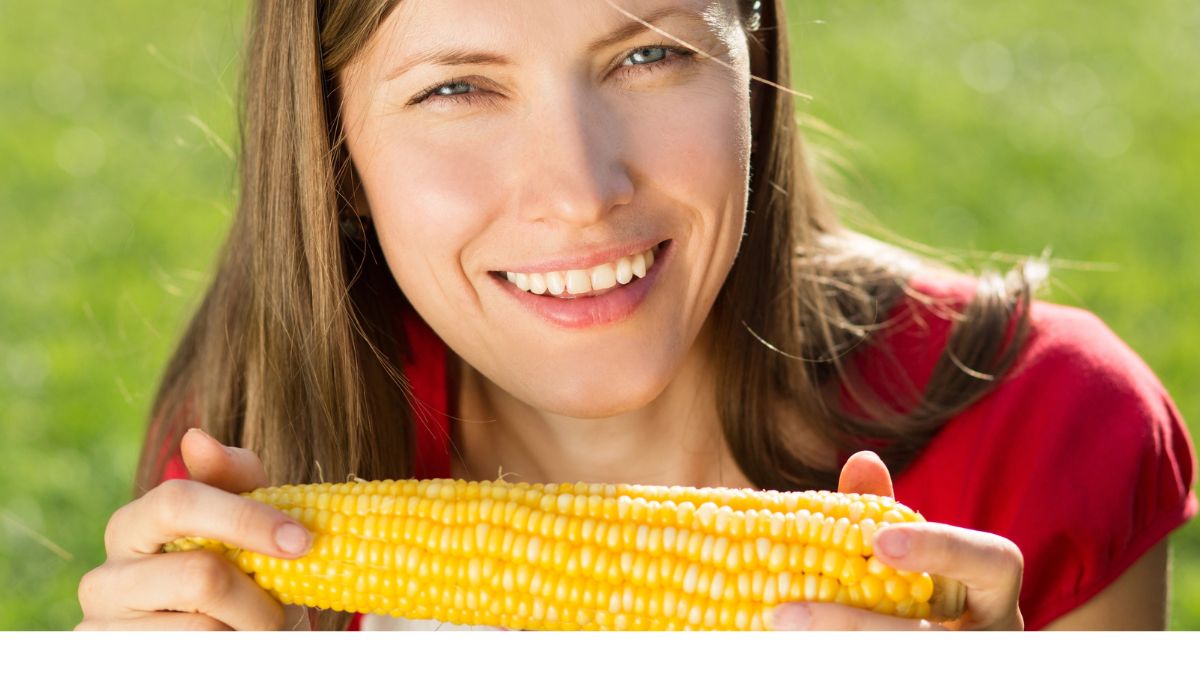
(579,153)
(582,242)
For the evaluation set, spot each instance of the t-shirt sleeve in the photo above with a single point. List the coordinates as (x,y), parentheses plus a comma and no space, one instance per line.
(1079,457)
(1112,461)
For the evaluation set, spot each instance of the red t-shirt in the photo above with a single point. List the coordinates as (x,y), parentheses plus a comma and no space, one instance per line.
(1078,456)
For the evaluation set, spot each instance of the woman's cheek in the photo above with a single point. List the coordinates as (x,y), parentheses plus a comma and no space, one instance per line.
(703,142)
(699,162)
(429,207)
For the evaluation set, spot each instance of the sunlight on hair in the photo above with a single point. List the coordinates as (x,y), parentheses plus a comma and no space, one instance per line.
(704,53)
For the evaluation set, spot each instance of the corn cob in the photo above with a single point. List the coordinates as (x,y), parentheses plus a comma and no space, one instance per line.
(586,556)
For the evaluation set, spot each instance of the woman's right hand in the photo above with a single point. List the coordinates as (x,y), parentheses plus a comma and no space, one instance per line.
(139,588)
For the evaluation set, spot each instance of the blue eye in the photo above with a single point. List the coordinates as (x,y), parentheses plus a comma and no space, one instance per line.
(644,59)
(645,50)
(440,90)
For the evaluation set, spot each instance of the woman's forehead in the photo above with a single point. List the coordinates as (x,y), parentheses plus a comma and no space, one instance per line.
(445,31)
(590,12)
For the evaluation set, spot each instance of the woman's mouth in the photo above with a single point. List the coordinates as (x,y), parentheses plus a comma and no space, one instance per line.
(599,295)
(597,280)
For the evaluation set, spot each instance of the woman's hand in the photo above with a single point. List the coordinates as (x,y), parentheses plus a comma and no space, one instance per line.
(989,565)
(138,587)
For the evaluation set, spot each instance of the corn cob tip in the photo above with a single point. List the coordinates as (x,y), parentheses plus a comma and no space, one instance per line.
(948,600)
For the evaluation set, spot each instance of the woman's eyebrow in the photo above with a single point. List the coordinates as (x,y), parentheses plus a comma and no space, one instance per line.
(457,56)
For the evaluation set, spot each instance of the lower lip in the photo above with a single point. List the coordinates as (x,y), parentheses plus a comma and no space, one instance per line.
(597,310)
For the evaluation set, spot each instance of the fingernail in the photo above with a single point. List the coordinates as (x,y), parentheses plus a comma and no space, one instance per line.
(792,616)
(291,538)
(893,543)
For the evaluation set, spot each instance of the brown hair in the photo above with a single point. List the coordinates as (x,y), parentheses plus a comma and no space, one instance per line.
(294,351)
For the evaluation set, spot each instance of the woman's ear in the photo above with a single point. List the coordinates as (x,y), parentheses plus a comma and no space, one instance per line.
(355,193)
(352,198)
(353,205)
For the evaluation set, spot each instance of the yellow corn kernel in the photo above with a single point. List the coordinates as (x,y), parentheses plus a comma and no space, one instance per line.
(855,595)
(853,570)
(896,588)
(877,568)
(922,588)
(828,589)
(832,563)
(872,590)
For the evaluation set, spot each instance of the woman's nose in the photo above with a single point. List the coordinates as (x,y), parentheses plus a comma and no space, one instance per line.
(574,167)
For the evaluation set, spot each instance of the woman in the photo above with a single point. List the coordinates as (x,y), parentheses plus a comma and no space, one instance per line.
(583,240)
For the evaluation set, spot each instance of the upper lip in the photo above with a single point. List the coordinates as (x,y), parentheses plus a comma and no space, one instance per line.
(586,260)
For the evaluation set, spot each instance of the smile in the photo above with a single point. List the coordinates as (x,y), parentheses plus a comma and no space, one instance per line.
(593,281)
(603,294)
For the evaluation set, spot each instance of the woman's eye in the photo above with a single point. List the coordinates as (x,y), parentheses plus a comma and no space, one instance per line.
(640,60)
(441,90)
(650,54)
(653,57)
(438,91)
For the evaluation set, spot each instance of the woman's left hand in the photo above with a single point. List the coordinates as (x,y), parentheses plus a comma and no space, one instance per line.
(988,565)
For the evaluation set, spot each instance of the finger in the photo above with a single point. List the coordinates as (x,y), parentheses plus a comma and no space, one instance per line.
(865,473)
(179,508)
(156,621)
(834,616)
(194,581)
(989,565)
(229,468)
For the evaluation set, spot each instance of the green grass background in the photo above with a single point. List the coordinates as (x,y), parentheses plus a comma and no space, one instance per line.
(970,127)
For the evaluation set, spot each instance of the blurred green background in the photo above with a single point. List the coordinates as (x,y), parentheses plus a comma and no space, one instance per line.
(974,128)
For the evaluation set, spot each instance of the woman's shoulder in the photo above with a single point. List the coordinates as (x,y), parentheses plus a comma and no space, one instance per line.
(1077,454)
(1074,387)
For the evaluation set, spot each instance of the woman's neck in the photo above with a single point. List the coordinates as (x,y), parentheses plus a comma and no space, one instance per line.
(676,439)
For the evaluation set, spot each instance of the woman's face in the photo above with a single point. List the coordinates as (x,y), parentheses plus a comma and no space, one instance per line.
(575,147)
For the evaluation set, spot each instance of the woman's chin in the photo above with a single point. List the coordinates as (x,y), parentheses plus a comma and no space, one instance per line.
(588,399)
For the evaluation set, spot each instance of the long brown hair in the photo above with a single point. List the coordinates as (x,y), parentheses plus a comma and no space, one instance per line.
(294,351)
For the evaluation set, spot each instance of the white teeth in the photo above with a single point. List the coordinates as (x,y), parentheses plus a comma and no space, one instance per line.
(577,282)
(603,276)
(624,271)
(537,283)
(639,266)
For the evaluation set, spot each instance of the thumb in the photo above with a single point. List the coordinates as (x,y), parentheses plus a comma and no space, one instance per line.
(222,466)
(864,473)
